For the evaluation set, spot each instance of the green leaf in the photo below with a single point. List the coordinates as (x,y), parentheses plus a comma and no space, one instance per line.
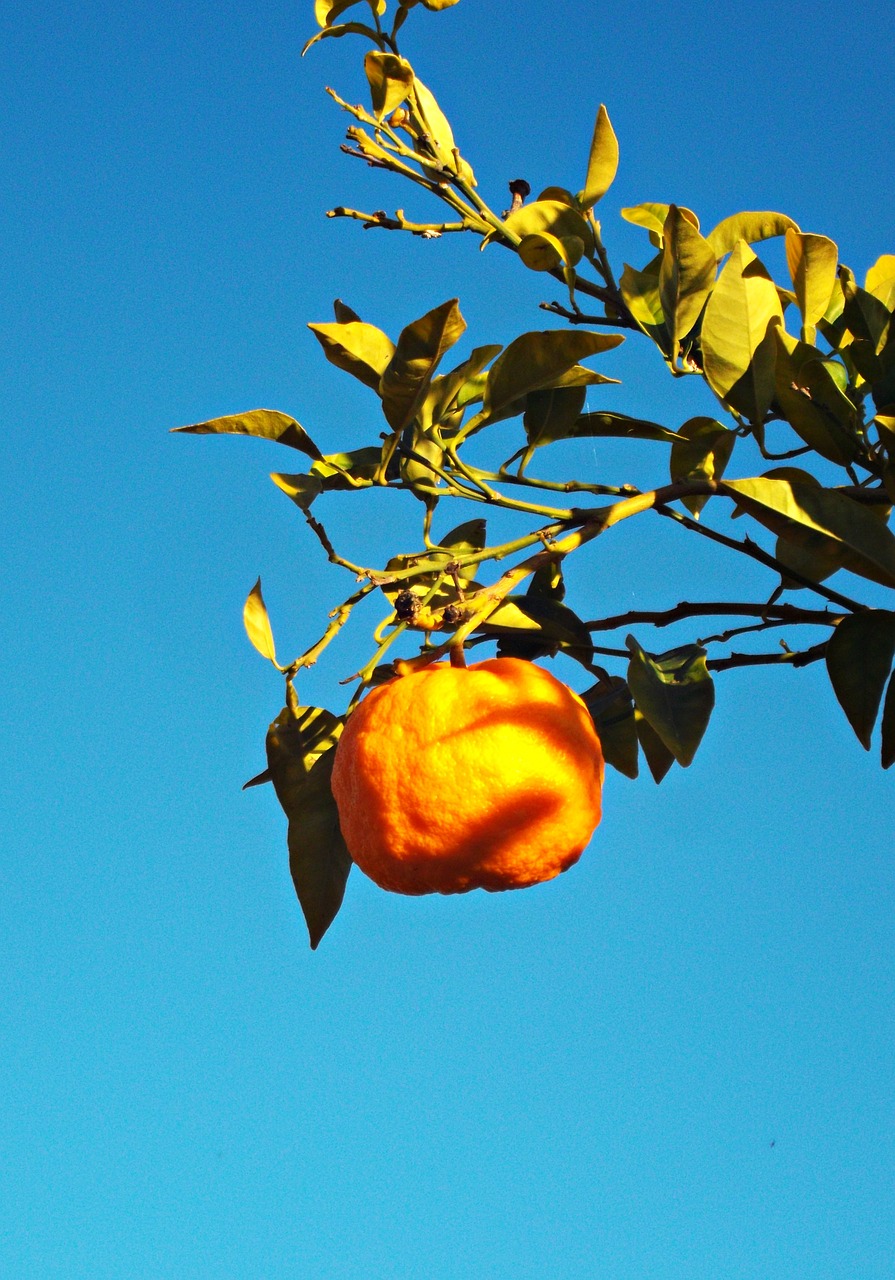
(264,424)
(612,711)
(620,426)
(360,349)
(352,470)
(602,165)
(541,251)
(553,623)
(888,745)
(536,360)
(551,415)
(466,538)
(791,509)
(815,407)
(451,392)
(653,216)
(859,658)
(408,374)
(738,335)
(750,227)
(657,756)
(640,292)
(257,624)
(300,754)
(701,453)
(675,693)
(880,280)
(686,275)
(812,262)
(391,80)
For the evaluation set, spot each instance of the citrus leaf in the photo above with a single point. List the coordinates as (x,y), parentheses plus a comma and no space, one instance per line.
(737,335)
(257,624)
(437,134)
(686,275)
(545,624)
(263,424)
(880,280)
(343,29)
(701,453)
(327,11)
(552,414)
(657,756)
(811,400)
(859,658)
(750,227)
(612,711)
(675,694)
(541,251)
(652,217)
(888,744)
(640,292)
(359,349)
(421,346)
(344,314)
(620,426)
(812,262)
(536,360)
(390,79)
(791,509)
(300,754)
(602,164)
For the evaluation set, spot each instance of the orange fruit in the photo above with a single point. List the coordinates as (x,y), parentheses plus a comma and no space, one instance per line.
(458,778)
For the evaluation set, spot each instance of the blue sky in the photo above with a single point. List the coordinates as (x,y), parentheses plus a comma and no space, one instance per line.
(675,1061)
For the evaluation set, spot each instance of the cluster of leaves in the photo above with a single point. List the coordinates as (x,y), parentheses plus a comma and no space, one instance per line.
(804,368)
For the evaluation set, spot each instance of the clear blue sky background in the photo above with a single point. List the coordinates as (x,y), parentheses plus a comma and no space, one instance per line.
(673,1063)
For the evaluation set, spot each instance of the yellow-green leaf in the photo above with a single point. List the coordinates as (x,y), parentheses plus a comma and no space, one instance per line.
(737,335)
(750,227)
(815,407)
(675,694)
(437,135)
(390,79)
(538,359)
(541,251)
(360,349)
(257,624)
(812,262)
(686,275)
(701,453)
(602,165)
(640,291)
(421,346)
(880,280)
(790,509)
(327,11)
(859,658)
(652,217)
(550,217)
(263,424)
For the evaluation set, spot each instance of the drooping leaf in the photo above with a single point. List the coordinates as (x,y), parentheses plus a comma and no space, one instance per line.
(420,348)
(652,217)
(536,360)
(751,227)
(257,624)
(657,756)
(620,426)
(327,11)
(300,754)
(686,275)
(640,292)
(859,659)
(264,424)
(812,262)
(612,710)
(541,251)
(602,164)
(350,470)
(550,217)
(675,693)
(814,405)
(390,78)
(701,453)
(737,335)
(790,509)
(360,349)
(888,744)
(336,33)
(534,625)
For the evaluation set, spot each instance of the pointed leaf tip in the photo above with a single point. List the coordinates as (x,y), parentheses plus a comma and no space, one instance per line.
(257,624)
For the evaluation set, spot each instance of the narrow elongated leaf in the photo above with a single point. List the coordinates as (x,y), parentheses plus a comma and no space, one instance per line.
(360,349)
(675,693)
(257,624)
(737,335)
(264,424)
(812,262)
(438,138)
(701,453)
(602,164)
(300,754)
(751,227)
(859,658)
(612,711)
(790,509)
(336,33)
(408,374)
(888,744)
(391,80)
(686,275)
(619,426)
(536,360)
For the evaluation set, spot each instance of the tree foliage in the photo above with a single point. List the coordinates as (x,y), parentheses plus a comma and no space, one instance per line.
(801,367)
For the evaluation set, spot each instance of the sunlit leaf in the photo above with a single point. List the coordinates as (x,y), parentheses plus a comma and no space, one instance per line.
(336,32)
(257,624)
(391,80)
(790,510)
(751,227)
(620,426)
(640,292)
(416,357)
(652,217)
(880,280)
(300,754)
(550,217)
(536,360)
(554,624)
(438,137)
(812,262)
(737,335)
(602,164)
(859,658)
(675,693)
(701,453)
(264,424)
(327,11)
(686,275)
(541,251)
(812,401)
(360,349)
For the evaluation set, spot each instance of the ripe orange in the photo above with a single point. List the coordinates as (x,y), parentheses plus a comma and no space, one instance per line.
(458,778)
